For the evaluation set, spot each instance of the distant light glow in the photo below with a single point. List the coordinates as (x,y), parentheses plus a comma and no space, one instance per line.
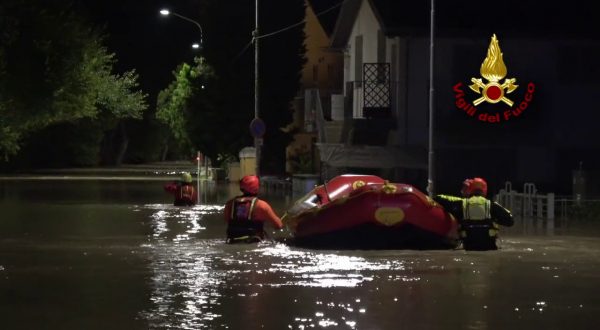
(195,45)
(164,12)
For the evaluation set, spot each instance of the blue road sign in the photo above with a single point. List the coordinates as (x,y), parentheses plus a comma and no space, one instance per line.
(257,128)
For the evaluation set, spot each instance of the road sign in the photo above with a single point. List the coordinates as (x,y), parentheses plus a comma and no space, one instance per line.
(257,128)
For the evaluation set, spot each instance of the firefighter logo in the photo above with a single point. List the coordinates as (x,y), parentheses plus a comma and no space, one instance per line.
(493,69)
(492,89)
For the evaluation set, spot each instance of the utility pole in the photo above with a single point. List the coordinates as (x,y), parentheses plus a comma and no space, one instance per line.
(198,160)
(256,87)
(430,166)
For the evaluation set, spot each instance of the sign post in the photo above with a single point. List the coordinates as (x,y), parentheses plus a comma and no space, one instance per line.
(198,160)
(257,130)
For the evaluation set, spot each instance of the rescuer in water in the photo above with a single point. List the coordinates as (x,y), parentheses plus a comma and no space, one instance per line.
(184,192)
(478,217)
(246,214)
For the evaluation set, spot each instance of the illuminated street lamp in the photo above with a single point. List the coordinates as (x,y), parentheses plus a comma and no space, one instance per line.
(196,45)
(257,141)
(166,12)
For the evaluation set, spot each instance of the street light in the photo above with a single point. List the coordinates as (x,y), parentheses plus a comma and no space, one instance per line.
(166,12)
(257,141)
(196,45)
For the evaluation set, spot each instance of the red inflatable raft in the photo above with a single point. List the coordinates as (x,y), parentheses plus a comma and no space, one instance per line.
(365,211)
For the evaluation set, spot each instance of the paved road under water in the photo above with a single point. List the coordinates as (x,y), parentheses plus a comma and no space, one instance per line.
(103,254)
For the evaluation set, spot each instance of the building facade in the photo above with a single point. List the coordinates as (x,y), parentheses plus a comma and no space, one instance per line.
(549,52)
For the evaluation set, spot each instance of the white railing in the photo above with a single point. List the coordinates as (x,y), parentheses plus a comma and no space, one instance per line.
(314,113)
(529,203)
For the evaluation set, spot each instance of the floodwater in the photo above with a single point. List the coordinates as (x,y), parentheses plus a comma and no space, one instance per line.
(115,254)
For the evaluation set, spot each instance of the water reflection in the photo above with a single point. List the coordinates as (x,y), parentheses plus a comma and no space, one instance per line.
(201,283)
(187,219)
(119,256)
(325,270)
(194,283)
(184,282)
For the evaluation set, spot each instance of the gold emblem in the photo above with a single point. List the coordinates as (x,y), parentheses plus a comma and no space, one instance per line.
(357,184)
(388,188)
(493,69)
(389,216)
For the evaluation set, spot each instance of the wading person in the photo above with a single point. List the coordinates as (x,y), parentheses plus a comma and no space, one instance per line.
(184,192)
(246,214)
(478,217)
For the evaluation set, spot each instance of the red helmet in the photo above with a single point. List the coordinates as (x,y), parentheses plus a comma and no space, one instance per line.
(477,185)
(249,184)
(464,191)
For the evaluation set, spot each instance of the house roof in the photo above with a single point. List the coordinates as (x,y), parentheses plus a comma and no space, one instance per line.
(327,12)
(344,23)
(519,18)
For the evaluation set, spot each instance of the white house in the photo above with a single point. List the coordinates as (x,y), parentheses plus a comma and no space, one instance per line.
(549,50)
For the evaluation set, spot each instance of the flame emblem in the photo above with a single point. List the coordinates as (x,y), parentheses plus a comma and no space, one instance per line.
(493,69)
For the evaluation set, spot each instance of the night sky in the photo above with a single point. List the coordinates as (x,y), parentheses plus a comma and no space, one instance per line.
(144,40)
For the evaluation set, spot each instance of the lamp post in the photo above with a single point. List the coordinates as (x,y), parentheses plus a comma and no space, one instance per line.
(166,12)
(256,87)
(199,156)
(431,154)
(198,160)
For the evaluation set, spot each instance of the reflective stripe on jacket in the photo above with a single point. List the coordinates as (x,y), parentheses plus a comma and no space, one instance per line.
(477,218)
(186,193)
(476,208)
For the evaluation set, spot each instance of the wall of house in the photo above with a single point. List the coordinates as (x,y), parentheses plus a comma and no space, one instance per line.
(563,114)
(323,68)
(362,48)
(542,145)
(397,55)
(417,92)
(366,25)
(406,65)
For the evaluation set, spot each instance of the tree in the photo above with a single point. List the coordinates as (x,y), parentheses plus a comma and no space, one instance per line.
(55,70)
(174,104)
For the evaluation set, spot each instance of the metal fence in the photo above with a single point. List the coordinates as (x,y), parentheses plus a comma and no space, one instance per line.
(528,203)
(535,205)
(577,208)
